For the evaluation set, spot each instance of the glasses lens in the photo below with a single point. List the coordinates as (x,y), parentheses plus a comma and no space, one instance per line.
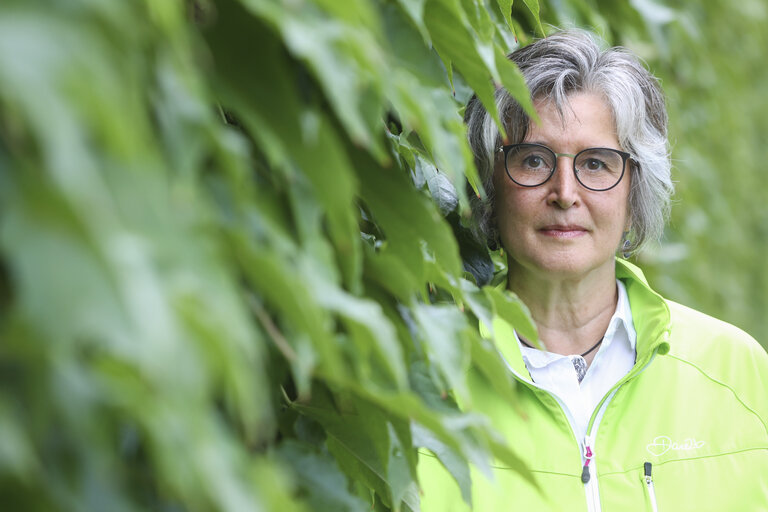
(530,164)
(599,168)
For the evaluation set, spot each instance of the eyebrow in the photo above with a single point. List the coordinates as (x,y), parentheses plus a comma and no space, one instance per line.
(589,146)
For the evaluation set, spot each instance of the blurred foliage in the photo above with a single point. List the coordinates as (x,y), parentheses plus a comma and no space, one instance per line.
(712,66)
(234,273)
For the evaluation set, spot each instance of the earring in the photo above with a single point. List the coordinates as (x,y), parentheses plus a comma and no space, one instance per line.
(625,252)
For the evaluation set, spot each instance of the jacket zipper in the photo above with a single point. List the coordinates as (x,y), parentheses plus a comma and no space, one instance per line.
(590,484)
(587,459)
(649,486)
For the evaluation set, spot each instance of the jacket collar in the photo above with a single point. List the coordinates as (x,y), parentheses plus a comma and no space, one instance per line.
(650,312)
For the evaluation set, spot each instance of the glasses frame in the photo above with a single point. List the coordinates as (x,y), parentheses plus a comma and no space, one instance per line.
(504,150)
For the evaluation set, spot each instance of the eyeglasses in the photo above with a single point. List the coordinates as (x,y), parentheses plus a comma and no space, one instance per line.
(531,165)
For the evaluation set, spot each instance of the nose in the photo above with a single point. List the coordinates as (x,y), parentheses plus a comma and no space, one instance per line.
(563,187)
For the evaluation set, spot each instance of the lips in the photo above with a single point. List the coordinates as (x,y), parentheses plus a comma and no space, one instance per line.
(563,230)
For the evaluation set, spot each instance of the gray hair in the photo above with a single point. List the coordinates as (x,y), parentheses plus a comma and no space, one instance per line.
(569,62)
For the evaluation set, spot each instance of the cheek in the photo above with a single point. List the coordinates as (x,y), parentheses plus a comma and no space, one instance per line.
(625,209)
(502,200)
(615,217)
(512,210)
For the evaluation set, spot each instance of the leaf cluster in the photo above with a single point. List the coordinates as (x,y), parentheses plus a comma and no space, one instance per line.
(224,284)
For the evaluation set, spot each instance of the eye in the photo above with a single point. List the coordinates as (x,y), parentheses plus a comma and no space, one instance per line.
(534,162)
(599,161)
(594,165)
(529,164)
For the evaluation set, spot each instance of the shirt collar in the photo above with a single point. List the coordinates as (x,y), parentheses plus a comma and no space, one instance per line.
(622,318)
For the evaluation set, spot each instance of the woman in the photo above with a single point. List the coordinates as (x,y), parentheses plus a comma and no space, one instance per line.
(633,402)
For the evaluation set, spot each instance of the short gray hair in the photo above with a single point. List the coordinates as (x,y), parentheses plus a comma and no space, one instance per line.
(575,61)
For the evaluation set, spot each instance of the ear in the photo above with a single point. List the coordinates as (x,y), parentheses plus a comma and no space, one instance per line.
(628,224)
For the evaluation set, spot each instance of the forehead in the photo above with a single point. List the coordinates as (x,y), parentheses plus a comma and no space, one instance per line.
(580,118)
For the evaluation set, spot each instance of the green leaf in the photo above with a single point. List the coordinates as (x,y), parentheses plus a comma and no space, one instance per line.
(401,472)
(285,290)
(533,6)
(325,163)
(352,12)
(489,362)
(369,327)
(319,478)
(391,273)
(344,58)
(415,11)
(454,463)
(360,438)
(510,308)
(269,108)
(505,6)
(443,330)
(513,81)
(455,44)
(409,42)
(16,453)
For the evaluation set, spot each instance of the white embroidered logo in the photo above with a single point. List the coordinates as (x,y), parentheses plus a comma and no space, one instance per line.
(662,444)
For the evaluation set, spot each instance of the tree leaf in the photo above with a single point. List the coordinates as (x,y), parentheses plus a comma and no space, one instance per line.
(319,477)
(369,328)
(505,6)
(533,6)
(510,308)
(454,42)
(359,438)
(442,328)
(454,463)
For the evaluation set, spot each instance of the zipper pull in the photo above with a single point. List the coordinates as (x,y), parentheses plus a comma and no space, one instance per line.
(649,486)
(585,473)
(587,458)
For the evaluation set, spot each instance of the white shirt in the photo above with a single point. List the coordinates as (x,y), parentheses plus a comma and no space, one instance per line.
(615,357)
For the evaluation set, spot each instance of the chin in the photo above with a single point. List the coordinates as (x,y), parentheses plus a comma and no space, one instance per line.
(560,264)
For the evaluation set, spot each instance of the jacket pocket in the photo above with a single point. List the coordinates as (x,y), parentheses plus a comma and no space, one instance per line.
(648,478)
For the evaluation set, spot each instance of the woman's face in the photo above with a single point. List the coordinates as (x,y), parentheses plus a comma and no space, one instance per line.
(561,229)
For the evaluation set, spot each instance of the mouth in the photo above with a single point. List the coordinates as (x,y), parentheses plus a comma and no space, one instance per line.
(563,230)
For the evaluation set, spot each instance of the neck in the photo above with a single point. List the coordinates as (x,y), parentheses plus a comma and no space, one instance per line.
(571,314)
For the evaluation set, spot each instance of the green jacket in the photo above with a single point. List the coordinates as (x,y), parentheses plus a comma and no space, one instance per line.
(694,406)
